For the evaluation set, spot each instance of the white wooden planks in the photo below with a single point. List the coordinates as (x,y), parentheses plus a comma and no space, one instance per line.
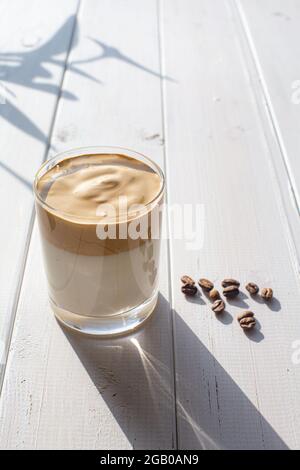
(60,390)
(233,390)
(273,31)
(34,42)
(222,150)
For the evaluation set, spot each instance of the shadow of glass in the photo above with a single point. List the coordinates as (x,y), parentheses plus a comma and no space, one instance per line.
(134,376)
(212,410)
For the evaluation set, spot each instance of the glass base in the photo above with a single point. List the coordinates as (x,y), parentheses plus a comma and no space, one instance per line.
(106,325)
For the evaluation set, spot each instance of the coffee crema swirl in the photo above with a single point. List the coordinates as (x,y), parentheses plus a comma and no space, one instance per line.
(77,192)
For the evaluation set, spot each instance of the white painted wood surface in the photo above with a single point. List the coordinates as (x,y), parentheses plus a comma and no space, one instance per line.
(273,30)
(83,393)
(233,390)
(279,161)
(34,43)
(179,81)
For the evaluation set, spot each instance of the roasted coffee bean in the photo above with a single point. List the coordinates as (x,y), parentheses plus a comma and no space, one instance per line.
(246,320)
(205,284)
(267,293)
(214,294)
(230,282)
(218,306)
(189,289)
(187,280)
(231,291)
(252,288)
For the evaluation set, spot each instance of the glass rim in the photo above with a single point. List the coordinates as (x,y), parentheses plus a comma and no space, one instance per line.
(89,151)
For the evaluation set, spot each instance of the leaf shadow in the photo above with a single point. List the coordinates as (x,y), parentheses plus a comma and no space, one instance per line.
(30,69)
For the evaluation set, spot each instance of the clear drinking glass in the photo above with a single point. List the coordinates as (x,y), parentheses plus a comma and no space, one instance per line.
(100,286)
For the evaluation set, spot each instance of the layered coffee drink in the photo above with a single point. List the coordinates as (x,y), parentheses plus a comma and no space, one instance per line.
(99,218)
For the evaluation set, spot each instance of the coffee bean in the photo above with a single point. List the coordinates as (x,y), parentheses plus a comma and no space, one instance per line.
(267,293)
(246,320)
(231,291)
(230,282)
(218,306)
(187,280)
(252,288)
(214,294)
(189,289)
(205,284)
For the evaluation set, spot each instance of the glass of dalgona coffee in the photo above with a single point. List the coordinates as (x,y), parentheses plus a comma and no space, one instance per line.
(99,215)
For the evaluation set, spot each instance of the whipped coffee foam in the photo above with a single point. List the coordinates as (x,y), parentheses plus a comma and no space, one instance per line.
(77,186)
